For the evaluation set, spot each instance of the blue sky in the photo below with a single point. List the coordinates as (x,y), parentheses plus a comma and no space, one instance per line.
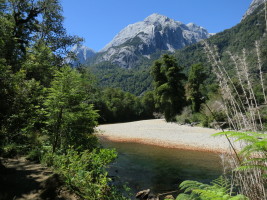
(98,21)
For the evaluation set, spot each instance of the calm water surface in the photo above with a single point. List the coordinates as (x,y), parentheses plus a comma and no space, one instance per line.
(161,169)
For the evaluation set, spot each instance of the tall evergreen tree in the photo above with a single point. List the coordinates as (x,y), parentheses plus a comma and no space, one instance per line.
(196,77)
(169,89)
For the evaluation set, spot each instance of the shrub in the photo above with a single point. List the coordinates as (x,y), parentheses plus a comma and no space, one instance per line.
(86,174)
(185,116)
(34,155)
(11,150)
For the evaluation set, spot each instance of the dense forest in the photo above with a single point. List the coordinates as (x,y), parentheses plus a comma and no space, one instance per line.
(48,110)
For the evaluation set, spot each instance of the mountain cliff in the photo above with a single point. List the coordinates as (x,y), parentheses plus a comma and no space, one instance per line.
(156,33)
(82,54)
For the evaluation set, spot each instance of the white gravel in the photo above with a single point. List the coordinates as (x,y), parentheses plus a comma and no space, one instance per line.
(171,135)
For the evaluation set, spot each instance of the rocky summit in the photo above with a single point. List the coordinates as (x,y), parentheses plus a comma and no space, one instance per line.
(155,33)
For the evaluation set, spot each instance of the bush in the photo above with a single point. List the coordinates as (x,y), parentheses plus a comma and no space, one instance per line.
(12,150)
(85,173)
(34,155)
(185,116)
(218,115)
(188,117)
(48,158)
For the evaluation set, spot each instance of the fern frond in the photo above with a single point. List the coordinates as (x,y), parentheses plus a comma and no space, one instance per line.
(222,184)
(189,186)
(250,167)
(185,197)
(219,189)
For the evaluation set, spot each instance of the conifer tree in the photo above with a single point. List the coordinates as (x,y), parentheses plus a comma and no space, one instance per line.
(169,89)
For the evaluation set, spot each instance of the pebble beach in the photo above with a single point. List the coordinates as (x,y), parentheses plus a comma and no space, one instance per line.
(170,135)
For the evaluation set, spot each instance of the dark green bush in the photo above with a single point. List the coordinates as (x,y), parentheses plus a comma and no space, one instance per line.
(85,172)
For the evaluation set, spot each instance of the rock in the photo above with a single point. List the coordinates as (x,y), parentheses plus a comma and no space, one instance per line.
(146,195)
(169,197)
(142,194)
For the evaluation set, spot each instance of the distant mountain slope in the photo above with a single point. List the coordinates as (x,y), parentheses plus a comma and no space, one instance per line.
(140,40)
(253,6)
(82,54)
(242,36)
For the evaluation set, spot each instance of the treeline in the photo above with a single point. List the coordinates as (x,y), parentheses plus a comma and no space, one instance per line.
(116,105)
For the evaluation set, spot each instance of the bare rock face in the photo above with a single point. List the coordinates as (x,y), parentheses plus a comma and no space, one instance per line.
(82,54)
(253,6)
(155,33)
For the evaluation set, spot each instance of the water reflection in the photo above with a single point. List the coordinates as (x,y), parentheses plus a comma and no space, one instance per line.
(161,169)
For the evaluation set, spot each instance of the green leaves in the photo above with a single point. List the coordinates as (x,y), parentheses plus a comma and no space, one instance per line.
(219,189)
(86,174)
(255,142)
(70,117)
(254,152)
(169,89)
(195,79)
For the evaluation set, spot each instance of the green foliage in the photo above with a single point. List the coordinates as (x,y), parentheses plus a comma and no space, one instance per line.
(188,117)
(13,149)
(20,100)
(34,155)
(33,21)
(135,81)
(40,64)
(86,174)
(148,104)
(169,89)
(121,105)
(114,105)
(185,116)
(219,189)
(28,59)
(46,107)
(196,78)
(253,154)
(70,118)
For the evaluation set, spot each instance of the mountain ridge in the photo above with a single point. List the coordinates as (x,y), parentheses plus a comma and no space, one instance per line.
(148,27)
(253,6)
(140,40)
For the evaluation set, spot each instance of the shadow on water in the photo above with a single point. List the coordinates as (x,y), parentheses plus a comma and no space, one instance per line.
(161,169)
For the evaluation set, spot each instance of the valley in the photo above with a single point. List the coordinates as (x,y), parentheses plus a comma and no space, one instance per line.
(165,110)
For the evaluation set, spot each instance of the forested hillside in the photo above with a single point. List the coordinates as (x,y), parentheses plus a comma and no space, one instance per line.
(242,36)
(234,39)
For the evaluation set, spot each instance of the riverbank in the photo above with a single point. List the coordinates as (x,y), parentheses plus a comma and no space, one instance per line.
(171,135)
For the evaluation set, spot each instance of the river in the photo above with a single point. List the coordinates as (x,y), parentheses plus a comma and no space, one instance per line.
(160,169)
